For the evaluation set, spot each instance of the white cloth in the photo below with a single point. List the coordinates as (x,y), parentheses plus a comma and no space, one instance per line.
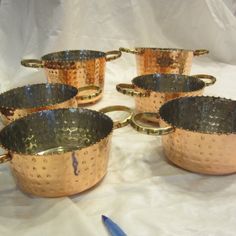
(144,194)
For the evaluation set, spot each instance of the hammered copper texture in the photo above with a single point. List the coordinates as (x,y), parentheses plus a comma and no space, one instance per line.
(170,61)
(208,146)
(82,73)
(53,175)
(74,160)
(11,113)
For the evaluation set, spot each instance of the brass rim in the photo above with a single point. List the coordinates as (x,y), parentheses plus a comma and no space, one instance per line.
(149,130)
(112,55)
(97,92)
(129,89)
(121,123)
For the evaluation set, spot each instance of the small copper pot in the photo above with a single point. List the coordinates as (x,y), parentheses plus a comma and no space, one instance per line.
(60,152)
(21,101)
(164,60)
(77,68)
(152,91)
(198,133)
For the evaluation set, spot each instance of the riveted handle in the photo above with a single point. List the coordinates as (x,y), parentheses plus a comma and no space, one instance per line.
(147,129)
(123,122)
(33,63)
(133,51)
(207,79)
(129,89)
(5,158)
(112,55)
(200,52)
(96,93)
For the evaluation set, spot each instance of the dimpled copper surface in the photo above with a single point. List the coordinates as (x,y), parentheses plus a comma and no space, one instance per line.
(163,88)
(59,152)
(205,134)
(19,102)
(166,61)
(78,68)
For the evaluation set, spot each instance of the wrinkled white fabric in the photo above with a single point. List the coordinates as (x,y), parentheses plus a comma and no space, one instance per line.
(143,193)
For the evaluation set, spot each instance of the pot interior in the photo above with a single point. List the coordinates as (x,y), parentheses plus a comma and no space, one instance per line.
(37,95)
(55,131)
(73,55)
(201,114)
(168,83)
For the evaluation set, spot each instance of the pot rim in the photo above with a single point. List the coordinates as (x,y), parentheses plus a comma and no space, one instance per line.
(166,75)
(58,153)
(195,131)
(38,105)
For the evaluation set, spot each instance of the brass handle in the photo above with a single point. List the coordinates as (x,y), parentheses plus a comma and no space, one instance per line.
(112,55)
(97,92)
(207,79)
(121,123)
(5,158)
(200,52)
(34,63)
(129,89)
(133,51)
(146,129)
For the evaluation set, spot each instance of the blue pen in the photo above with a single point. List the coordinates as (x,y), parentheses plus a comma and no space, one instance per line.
(112,227)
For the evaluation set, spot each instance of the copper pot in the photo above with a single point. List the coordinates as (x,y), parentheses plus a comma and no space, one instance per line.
(152,91)
(21,101)
(60,152)
(198,133)
(77,68)
(164,60)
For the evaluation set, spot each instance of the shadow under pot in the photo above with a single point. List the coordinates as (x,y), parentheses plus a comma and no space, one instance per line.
(21,101)
(198,133)
(75,158)
(164,60)
(78,68)
(152,91)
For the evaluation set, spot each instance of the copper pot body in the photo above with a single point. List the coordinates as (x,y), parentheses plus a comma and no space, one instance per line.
(198,133)
(75,159)
(78,68)
(164,60)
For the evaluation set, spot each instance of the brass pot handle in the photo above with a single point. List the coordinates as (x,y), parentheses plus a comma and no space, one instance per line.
(207,79)
(146,129)
(5,158)
(133,51)
(121,123)
(200,52)
(34,63)
(95,94)
(112,55)
(129,89)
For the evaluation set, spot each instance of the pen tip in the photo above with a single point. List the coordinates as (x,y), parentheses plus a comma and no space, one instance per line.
(104,217)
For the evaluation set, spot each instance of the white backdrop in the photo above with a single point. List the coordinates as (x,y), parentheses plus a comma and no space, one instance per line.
(142,192)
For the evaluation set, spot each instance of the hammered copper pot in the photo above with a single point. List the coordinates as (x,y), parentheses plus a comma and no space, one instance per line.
(78,68)
(152,91)
(164,60)
(60,152)
(198,133)
(21,101)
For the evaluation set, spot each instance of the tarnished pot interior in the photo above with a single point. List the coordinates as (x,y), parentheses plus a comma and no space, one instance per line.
(58,152)
(163,60)
(162,88)
(78,68)
(21,101)
(205,134)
